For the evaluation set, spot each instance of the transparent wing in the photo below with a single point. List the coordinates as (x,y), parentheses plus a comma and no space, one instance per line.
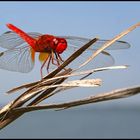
(74,41)
(102,60)
(17,59)
(11,40)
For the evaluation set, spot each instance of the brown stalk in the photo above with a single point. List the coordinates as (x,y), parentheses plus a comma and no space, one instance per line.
(16,108)
(68,61)
(115,94)
(21,99)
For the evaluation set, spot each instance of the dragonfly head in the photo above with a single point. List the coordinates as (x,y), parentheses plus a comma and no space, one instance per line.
(61,45)
(50,42)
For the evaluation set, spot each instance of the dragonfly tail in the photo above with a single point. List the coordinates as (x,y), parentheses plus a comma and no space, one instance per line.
(31,41)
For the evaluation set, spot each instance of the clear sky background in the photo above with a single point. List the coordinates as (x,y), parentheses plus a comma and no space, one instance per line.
(85,19)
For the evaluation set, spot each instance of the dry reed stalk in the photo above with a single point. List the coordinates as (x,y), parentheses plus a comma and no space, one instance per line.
(47,87)
(29,94)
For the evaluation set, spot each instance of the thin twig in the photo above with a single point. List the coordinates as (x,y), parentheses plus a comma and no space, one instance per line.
(108,43)
(115,94)
(52,74)
(15,109)
(73,74)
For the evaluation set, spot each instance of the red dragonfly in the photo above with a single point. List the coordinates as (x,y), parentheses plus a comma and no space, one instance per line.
(22,47)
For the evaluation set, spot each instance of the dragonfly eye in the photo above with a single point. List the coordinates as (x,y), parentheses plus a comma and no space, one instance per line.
(61,46)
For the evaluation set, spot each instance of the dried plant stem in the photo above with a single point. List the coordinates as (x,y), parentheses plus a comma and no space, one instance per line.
(26,96)
(115,94)
(73,74)
(52,74)
(47,87)
(108,43)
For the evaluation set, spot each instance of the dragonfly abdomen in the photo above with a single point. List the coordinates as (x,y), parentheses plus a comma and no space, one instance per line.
(22,34)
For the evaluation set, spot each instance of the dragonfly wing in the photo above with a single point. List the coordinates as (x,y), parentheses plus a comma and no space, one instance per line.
(101,60)
(17,59)
(80,41)
(11,40)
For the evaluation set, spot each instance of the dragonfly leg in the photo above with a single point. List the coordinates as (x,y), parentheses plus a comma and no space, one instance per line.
(60,57)
(56,59)
(48,65)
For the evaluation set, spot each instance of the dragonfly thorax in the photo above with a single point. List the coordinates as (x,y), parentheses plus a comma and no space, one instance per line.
(49,43)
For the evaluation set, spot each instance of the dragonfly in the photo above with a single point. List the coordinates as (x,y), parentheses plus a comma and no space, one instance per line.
(22,47)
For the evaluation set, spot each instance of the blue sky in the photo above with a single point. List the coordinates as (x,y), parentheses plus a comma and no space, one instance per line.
(85,19)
